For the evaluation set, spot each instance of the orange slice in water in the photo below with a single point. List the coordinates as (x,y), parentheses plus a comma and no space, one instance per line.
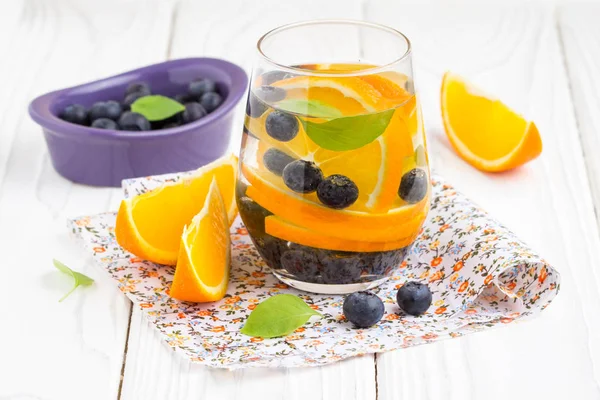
(484,131)
(304,211)
(202,271)
(150,225)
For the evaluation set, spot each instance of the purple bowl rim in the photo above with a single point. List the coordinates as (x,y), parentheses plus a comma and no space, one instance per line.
(39,108)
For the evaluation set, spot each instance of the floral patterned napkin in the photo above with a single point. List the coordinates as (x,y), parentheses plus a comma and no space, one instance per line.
(481,276)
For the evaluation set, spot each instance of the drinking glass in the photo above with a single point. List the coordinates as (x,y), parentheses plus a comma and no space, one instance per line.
(334,175)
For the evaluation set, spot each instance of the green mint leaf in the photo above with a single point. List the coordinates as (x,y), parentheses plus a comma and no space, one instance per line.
(156,108)
(279,315)
(348,133)
(79,278)
(312,108)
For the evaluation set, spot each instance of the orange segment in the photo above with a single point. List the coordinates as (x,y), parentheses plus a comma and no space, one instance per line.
(202,270)
(346,224)
(277,227)
(484,131)
(333,90)
(150,225)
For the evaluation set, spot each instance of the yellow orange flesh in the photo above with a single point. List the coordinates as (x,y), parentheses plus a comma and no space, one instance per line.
(150,225)
(483,130)
(202,271)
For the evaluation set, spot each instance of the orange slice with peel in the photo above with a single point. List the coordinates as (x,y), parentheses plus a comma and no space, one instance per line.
(150,225)
(202,271)
(344,93)
(304,211)
(275,226)
(484,131)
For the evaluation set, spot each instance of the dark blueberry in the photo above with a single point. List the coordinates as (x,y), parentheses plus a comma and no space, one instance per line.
(131,121)
(281,126)
(337,191)
(274,76)
(304,265)
(254,107)
(75,114)
(138,87)
(105,123)
(210,101)
(414,298)
(413,186)
(106,109)
(340,269)
(276,160)
(363,309)
(253,215)
(382,263)
(270,94)
(171,125)
(131,98)
(200,86)
(183,98)
(302,176)
(171,122)
(193,112)
(270,249)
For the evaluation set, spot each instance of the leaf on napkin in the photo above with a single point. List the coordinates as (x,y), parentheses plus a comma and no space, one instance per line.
(156,108)
(79,278)
(277,316)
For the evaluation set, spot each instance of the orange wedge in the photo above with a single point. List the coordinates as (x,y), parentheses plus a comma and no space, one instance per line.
(304,211)
(484,131)
(150,225)
(202,270)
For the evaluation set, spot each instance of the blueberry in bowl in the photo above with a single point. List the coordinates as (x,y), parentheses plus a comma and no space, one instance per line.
(104,155)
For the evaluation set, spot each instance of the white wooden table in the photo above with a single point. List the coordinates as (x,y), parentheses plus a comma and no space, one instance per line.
(543,59)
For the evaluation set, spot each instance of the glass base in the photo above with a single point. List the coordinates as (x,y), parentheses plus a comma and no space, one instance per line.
(320,288)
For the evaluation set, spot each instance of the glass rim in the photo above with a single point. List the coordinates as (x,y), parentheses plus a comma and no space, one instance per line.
(366,71)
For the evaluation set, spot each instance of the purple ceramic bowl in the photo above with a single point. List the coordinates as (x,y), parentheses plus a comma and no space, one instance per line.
(102,157)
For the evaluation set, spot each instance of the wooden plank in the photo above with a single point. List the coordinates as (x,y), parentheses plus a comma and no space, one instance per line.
(513,52)
(581,40)
(74,349)
(229,29)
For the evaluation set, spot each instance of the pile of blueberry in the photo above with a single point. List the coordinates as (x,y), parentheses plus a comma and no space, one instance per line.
(202,98)
(365,309)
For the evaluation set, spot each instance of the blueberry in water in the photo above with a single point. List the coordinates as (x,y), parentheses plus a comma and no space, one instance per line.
(254,107)
(105,123)
(382,263)
(193,112)
(200,86)
(302,264)
(414,298)
(270,94)
(183,98)
(281,126)
(253,215)
(276,160)
(131,98)
(106,109)
(274,76)
(270,249)
(138,87)
(340,269)
(363,309)
(210,101)
(75,114)
(337,191)
(413,186)
(302,176)
(132,121)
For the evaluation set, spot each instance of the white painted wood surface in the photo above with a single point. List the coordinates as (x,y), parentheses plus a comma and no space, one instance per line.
(77,349)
